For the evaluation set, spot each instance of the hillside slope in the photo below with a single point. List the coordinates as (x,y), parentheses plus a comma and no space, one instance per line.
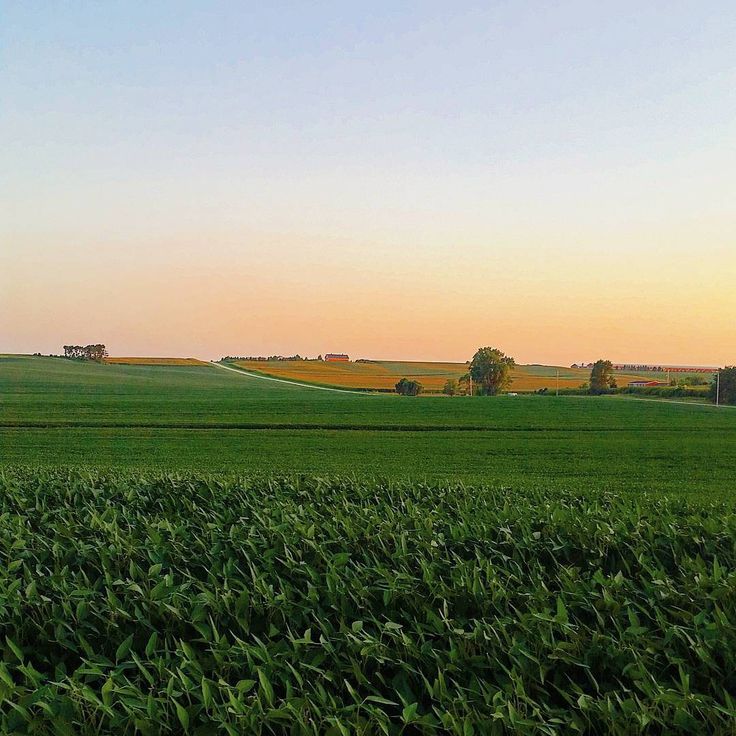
(382,375)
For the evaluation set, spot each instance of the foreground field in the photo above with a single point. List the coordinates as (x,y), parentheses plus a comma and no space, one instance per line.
(161,604)
(59,412)
(382,375)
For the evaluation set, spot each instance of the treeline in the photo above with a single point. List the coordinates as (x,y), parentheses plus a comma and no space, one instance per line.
(638,367)
(662,392)
(86,352)
(658,368)
(266,359)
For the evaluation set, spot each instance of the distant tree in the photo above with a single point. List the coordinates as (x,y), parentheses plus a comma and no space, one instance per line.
(86,352)
(490,369)
(726,385)
(405,387)
(450,387)
(96,352)
(601,377)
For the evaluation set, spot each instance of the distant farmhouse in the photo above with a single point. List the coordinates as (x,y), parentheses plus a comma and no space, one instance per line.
(337,358)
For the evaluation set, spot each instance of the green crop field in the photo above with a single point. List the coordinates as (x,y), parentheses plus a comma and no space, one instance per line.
(168,604)
(186,549)
(54,411)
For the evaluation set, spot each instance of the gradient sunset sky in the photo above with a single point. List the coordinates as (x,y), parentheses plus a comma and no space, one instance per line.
(388,179)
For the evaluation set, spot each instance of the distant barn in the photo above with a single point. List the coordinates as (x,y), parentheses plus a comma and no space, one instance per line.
(337,358)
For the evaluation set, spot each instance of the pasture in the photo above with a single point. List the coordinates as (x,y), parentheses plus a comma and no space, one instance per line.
(382,375)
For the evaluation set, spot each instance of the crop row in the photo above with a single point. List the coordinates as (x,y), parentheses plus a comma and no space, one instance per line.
(168,604)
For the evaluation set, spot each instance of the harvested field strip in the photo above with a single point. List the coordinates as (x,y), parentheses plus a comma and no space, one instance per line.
(156,361)
(255,374)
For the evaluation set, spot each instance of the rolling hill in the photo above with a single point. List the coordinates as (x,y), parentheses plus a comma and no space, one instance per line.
(382,375)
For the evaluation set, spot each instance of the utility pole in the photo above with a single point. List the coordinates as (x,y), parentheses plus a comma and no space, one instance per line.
(557,391)
(718,387)
(470,375)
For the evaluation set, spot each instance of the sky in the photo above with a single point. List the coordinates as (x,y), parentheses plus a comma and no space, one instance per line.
(390,179)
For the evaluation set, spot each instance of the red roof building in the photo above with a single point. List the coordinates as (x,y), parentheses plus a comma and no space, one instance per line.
(337,358)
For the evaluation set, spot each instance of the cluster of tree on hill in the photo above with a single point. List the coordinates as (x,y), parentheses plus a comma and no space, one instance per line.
(265,359)
(489,373)
(85,352)
(639,367)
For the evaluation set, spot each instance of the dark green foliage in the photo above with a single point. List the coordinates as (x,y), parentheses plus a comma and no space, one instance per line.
(491,370)
(450,388)
(667,392)
(162,604)
(601,377)
(95,352)
(405,387)
(725,382)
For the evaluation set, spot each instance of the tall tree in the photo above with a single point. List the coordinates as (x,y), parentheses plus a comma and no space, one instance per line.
(601,377)
(490,369)
(725,382)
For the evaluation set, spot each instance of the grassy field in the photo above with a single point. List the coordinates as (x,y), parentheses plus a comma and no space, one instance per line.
(55,411)
(383,375)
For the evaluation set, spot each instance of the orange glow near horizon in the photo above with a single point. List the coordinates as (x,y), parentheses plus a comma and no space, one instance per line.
(395,182)
(289,295)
